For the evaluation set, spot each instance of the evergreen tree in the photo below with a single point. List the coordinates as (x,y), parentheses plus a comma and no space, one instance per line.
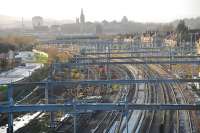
(182,32)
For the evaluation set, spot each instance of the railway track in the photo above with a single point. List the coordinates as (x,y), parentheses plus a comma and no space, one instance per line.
(107,121)
(183,121)
(151,97)
(158,121)
(167,117)
(110,118)
(184,118)
(150,116)
(168,123)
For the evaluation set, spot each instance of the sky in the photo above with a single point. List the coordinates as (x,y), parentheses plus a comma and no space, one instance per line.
(98,10)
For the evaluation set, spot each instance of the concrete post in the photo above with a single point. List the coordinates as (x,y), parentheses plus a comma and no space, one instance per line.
(10,114)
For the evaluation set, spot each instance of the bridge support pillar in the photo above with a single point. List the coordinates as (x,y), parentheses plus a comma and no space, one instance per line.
(10,114)
(126,107)
(75,115)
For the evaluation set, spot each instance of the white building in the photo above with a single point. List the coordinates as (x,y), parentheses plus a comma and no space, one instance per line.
(26,56)
(147,39)
(198,46)
(37,21)
(11,55)
(171,40)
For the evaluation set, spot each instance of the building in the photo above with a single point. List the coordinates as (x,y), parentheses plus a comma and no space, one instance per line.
(37,21)
(77,20)
(70,28)
(98,29)
(3,56)
(171,40)
(147,38)
(124,20)
(41,28)
(198,46)
(26,56)
(55,28)
(38,25)
(11,55)
(129,39)
(194,36)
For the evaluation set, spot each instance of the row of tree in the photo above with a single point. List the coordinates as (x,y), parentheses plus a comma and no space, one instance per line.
(18,43)
(55,55)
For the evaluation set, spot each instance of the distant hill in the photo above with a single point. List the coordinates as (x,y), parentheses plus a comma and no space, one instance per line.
(193,23)
(8,21)
(14,22)
(131,26)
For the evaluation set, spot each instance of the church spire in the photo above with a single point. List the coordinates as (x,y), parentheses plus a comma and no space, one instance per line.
(82,17)
(81,11)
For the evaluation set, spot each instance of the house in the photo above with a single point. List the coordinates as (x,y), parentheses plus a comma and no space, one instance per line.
(3,56)
(55,28)
(147,38)
(171,40)
(198,46)
(128,39)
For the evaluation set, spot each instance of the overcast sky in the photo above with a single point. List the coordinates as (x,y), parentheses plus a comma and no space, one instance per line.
(136,10)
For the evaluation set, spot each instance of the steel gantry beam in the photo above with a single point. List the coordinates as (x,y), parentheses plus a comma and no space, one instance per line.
(127,52)
(99,82)
(128,49)
(84,40)
(136,62)
(137,57)
(95,107)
